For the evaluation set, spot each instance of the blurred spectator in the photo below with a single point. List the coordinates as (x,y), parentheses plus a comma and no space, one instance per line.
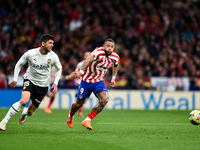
(3,80)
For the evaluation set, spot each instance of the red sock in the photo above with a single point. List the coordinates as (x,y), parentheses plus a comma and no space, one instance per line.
(80,110)
(50,103)
(92,115)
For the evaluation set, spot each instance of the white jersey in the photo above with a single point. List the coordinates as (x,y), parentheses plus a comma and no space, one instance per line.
(39,67)
(78,68)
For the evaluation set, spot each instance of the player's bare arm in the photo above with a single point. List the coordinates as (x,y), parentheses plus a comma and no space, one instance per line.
(103,99)
(87,61)
(70,76)
(13,84)
(115,71)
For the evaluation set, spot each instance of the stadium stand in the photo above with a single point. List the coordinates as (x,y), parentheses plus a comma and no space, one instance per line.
(153,38)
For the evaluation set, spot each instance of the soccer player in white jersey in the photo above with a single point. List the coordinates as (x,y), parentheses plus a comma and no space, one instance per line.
(93,71)
(78,81)
(36,79)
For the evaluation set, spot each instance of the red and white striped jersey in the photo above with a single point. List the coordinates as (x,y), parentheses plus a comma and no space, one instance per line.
(96,70)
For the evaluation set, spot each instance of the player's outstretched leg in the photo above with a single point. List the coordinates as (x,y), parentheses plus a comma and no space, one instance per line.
(70,120)
(23,117)
(73,110)
(12,111)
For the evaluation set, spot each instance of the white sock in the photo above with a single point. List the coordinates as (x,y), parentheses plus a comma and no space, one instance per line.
(12,111)
(87,118)
(25,111)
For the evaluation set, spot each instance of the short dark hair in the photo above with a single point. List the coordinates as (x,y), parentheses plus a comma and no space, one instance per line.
(109,40)
(46,37)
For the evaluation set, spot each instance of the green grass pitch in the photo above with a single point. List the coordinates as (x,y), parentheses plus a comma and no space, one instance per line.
(112,130)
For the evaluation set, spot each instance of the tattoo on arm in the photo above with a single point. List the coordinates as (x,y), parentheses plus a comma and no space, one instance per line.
(86,62)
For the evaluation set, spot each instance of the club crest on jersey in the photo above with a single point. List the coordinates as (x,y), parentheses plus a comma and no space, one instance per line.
(49,61)
(80,96)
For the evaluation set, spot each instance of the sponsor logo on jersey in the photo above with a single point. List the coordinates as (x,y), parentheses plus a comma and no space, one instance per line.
(102,68)
(49,61)
(40,66)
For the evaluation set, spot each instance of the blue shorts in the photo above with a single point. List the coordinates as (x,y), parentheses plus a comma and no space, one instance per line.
(85,89)
(50,89)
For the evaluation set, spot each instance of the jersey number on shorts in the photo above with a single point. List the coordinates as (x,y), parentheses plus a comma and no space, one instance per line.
(81,90)
(26,83)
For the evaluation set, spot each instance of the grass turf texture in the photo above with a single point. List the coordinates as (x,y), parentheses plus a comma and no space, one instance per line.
(112,129)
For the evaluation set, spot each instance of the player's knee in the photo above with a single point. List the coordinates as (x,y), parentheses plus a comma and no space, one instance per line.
(104,98)
(104,102)
(52,95)
(79,105)
(23,101)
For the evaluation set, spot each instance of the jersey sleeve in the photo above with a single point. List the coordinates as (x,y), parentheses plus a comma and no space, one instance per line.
(22,61)
(117,62)
(58,67)
(115,58)
(95,54)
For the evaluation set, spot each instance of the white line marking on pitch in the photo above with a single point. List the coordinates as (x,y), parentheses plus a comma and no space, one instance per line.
(106,123)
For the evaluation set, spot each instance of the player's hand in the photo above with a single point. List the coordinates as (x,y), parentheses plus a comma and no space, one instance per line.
(112,83)
(55,88)
(13,84)
(74,75)
(78,74)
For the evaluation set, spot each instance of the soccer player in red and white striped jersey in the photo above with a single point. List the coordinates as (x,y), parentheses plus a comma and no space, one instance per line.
(92,72)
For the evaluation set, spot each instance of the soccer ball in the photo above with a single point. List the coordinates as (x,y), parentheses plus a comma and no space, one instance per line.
(194,117)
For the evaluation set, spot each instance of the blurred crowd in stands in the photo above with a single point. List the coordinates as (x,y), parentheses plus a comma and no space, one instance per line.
(153,37)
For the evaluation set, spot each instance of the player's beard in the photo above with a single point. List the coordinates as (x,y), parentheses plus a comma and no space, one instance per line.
(46,49)
(107,53)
